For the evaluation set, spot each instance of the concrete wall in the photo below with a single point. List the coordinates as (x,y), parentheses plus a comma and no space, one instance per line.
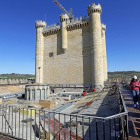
(57,90)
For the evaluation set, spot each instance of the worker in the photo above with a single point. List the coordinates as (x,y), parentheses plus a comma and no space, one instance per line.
(134,85)
(116,87)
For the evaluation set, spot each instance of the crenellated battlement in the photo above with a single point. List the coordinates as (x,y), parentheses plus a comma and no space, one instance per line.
(94,8)
(51,29)
(103,27)
(74,23)
(78,23)
(13,81)
(52,26)
(72,51)
(40,24)
(78,20)
(64,17)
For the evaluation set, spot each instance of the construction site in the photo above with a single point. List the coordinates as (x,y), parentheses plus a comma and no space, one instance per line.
(72,98)
(97,115)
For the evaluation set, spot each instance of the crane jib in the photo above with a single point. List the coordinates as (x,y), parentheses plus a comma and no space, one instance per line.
(62,8)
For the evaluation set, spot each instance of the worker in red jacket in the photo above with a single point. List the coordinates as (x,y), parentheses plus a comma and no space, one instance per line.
(134,84)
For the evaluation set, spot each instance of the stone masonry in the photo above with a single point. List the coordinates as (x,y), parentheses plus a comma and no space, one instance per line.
(73,52)
(104,52)
(13,81)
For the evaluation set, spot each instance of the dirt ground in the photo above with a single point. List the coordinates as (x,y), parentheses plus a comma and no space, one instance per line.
(11,89)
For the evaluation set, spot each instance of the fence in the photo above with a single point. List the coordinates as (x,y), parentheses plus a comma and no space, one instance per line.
(33,124)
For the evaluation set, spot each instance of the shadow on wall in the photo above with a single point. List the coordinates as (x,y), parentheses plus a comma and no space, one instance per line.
(59,44)
(85,69)
(86,56)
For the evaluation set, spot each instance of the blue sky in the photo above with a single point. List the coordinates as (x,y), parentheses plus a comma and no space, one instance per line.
(17,31)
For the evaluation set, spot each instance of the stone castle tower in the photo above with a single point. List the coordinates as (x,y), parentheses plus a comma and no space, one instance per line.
(73,52)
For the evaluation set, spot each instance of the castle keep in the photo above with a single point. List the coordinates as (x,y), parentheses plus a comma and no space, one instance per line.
(70,55)
(73,52)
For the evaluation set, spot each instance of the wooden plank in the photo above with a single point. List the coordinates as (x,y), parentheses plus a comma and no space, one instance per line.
(54,98)
(11,102)
(47,103)
(36,105)
(0,100)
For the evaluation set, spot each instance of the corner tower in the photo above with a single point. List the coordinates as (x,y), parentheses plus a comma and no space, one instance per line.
(63,19)
(104,52)
(94,12)
(39,25)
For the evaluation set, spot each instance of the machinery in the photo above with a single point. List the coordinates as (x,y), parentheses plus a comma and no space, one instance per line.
(70,13)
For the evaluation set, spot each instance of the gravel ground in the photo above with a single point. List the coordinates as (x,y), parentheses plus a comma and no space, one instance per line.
(11,89)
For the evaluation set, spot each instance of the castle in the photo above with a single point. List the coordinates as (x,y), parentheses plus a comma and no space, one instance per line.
(73,52)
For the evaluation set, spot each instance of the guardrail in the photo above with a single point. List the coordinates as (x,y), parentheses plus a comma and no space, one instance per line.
(12,95)
(16,84)
(32,124)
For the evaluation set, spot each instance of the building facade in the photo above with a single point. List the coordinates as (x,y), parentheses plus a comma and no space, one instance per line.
(72,52)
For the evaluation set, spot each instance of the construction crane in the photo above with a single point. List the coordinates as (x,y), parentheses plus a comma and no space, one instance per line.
(70,13)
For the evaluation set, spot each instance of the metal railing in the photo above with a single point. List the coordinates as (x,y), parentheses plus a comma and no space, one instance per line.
(16,84)
(33,124)
(12,95)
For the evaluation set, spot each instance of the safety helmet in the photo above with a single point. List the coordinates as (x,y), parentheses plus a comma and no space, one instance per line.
(135,77)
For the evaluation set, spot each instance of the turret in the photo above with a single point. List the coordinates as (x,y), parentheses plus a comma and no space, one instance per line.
(39,25)
(63,19)
(94,12)
(94,9)
(104,52)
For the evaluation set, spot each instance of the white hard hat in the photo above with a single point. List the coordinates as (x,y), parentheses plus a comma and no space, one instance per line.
(135,77)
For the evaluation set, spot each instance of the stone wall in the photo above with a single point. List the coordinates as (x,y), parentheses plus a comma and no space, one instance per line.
(71,52)
(37,92)
(71,66)
(13,81)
